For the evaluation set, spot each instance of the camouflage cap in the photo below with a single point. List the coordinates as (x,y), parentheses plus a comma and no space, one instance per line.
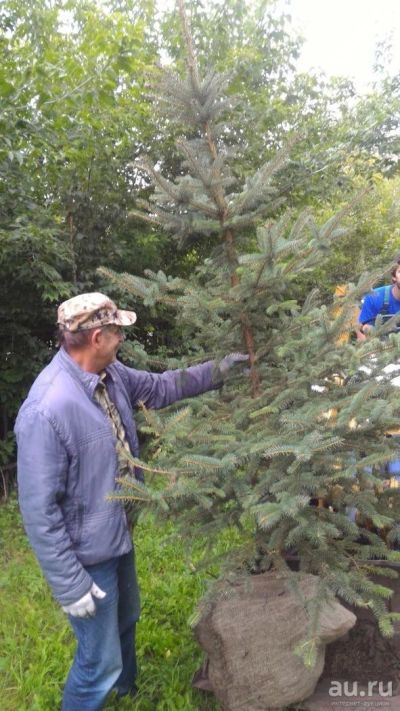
(92,311)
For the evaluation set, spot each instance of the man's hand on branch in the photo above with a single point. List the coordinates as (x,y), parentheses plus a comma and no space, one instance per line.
(229,361)
(85,607)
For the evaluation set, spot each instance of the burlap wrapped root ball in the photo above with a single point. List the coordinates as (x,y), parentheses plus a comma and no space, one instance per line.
(250,635)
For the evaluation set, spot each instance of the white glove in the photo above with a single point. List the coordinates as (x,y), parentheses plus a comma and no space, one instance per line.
(85,607)
(229,361)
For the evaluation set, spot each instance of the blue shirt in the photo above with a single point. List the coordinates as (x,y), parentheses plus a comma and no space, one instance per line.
(373,305)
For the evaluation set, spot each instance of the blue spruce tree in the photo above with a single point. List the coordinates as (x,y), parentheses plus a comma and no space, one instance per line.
(292,452)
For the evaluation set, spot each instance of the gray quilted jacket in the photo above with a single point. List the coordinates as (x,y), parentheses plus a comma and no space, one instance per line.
(67,462)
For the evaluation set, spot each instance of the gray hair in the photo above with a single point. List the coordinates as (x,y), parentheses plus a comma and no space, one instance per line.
(74,340)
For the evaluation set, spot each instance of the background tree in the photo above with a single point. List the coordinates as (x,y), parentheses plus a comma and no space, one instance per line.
(75,115)
(70,116)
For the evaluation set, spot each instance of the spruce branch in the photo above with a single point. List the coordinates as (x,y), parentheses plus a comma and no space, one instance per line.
(176,419)
(197,167)
(191,57)
(253,217)
(143,217)
(177,192)
(259,184)
(152,419)
(146,467)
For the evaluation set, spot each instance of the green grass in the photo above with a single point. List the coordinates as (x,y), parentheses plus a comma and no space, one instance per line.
(37,645)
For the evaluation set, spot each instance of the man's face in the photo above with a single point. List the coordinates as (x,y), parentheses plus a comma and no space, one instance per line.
(397,277)
(110,340)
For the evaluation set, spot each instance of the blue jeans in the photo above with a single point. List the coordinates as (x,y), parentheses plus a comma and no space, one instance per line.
(105,657)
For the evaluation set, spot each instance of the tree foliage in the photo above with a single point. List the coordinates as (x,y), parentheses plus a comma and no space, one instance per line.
(75,114)
(290,453)
(67,134)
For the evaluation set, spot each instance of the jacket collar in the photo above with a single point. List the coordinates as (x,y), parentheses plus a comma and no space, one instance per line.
(88,381)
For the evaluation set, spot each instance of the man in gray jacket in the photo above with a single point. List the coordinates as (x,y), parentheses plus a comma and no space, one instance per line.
(71,433)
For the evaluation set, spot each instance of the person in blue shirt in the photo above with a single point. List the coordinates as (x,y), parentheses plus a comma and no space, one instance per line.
(384,300)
